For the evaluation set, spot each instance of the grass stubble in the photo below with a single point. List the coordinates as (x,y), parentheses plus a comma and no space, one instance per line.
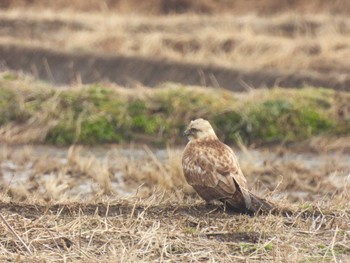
(141,210)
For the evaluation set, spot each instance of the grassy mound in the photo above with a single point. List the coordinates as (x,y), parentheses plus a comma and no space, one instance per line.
(34,111)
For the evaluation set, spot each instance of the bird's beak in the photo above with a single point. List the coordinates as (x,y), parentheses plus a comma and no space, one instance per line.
(186,132)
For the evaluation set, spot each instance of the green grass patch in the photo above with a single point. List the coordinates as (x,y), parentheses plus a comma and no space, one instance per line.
(280,119)
(96,114)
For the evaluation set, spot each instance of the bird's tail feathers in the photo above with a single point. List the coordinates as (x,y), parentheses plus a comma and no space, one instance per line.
(257,205)
(260,205)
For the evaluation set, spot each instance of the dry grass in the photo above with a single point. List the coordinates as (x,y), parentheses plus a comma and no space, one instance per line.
(288,42)
(132,205)
(183,6)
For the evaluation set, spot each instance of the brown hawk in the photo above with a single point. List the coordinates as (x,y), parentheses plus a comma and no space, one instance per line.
(212,169)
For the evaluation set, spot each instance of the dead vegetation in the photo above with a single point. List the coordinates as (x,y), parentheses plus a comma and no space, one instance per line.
(288,42)
(160,7)
(79,204)
(244,51)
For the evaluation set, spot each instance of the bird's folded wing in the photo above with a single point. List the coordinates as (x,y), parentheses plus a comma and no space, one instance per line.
(222,171)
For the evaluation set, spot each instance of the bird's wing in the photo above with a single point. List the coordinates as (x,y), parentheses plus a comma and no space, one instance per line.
(218,168)
(238,177)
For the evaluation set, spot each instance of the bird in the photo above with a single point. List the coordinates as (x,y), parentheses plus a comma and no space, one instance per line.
(212,169)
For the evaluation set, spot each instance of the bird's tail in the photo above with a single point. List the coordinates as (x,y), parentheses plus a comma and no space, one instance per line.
(260,205)
(257,205)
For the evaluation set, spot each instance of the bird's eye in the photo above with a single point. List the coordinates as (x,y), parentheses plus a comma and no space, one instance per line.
(194,130)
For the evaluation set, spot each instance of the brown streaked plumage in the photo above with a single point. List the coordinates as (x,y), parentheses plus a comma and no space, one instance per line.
(212,169)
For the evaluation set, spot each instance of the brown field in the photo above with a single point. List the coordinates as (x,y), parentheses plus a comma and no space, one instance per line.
(283,49)
(160,7)
(133,205)
(130,203)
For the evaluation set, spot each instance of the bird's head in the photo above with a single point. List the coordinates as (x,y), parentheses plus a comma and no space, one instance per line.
(199,129)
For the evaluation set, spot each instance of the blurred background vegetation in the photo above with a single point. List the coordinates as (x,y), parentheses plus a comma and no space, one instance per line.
(122,71)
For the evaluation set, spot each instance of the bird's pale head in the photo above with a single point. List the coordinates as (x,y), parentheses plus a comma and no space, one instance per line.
(199,129)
